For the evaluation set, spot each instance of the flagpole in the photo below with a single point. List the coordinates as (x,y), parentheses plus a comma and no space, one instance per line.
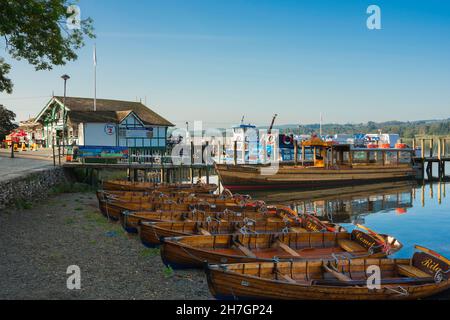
(95,78)
(320,124)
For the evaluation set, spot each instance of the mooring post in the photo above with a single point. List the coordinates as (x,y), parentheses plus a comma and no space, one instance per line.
(439,158)
(135,175)
(431,147)
(422,148)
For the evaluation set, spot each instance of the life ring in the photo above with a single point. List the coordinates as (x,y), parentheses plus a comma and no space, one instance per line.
(270,140)
(287,140)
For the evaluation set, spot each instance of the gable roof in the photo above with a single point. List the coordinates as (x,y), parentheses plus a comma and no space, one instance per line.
(115,110)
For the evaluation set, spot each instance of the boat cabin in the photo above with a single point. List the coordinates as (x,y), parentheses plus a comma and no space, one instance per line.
(327,154)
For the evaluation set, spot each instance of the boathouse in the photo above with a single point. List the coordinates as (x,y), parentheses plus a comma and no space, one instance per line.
(114,123)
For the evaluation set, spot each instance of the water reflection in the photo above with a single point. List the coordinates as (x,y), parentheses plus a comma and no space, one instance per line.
(413,213)
(348,204)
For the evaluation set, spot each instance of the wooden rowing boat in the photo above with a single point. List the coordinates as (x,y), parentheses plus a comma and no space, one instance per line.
(131,220)
(192,251)
(151,233)
(122,185)
(113,209)
(139,196)
(181,198)
(422,276)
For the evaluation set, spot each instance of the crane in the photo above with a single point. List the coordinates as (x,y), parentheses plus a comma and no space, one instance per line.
(271,125)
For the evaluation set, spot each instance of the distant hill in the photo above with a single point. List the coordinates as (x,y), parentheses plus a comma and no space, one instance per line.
(406,129)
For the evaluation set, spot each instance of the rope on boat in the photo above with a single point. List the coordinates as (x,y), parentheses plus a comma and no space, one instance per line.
(401,291)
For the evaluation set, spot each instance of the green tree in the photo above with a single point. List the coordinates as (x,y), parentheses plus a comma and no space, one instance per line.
(40,32)
(6,122)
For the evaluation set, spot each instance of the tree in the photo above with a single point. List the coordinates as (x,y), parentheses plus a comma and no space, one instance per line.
(41,32)
(6,122)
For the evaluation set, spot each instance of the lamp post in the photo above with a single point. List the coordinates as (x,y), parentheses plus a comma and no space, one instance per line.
(65,77)
(12,146)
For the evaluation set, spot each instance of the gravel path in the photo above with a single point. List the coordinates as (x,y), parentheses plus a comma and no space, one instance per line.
(37,245)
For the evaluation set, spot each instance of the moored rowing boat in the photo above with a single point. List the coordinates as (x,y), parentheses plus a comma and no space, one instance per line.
(122,185)
(151,233)
(192,251)
(421,276)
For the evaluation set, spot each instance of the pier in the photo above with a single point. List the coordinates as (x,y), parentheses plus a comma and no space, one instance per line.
(433,150)
(146,172)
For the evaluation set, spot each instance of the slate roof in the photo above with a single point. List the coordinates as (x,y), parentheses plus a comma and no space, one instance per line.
(81,110)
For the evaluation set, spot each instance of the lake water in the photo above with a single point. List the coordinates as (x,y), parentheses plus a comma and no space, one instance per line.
(412,213)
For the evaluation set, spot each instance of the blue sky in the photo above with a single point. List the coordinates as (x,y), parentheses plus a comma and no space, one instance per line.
(216,60)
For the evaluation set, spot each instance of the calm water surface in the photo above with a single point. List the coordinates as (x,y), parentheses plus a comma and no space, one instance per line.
(414,214)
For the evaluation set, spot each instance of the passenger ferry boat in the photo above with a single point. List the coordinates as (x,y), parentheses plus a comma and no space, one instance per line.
(323,164)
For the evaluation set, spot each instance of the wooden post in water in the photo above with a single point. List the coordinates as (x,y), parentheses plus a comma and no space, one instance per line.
(440,162)
(422,148)
(207,175)
(422,195)
(135,175)
(431,147)
(444,147)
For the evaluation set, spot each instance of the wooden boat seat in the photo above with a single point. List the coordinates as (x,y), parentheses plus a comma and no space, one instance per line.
(246,251)
(351,246)
(411,271)
(274,219)
(298,230)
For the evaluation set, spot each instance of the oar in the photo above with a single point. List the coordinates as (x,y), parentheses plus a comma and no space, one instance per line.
(373,233)
(336,274)
(317,220)
(433,253)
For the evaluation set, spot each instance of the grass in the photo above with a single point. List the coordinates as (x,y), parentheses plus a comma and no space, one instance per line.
(69,220)
(71,188)
(168,272)
(149,252)
(21,203)
(96,218)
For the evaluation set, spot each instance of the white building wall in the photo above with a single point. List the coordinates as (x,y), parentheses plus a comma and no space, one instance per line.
(95,134)
(81,134)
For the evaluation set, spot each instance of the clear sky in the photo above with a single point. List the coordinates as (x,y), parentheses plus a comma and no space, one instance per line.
(216,60)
